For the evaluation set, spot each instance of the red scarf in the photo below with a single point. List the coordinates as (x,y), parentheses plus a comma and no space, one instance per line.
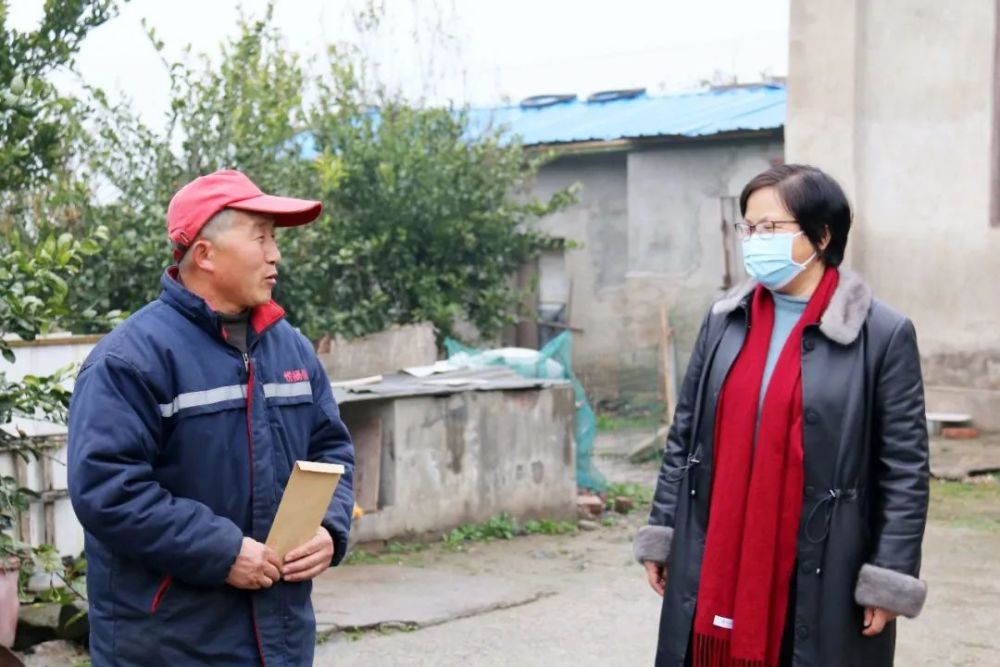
(756,496)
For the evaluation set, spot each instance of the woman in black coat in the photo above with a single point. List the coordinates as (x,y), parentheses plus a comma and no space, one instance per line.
(790,506)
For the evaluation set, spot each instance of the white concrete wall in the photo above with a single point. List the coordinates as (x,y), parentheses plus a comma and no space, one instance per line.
(648,226)
(53,521)
(895,98)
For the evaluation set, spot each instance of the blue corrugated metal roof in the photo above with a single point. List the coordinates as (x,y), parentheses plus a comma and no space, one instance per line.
(701,114)
(688,115)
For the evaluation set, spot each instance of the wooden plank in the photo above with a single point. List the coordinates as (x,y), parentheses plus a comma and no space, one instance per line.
(21,475)
(995,134)
(526,334)
(357,382)
(367,436)
(49,529)
(617,145)
(666,355)
(54,495)
(560,325)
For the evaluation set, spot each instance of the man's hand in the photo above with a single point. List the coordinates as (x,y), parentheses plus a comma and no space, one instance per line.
(656,573)
(311,559)
(876,620)
(257,566)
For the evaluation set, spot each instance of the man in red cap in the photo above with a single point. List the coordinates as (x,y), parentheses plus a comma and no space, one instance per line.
(185,423)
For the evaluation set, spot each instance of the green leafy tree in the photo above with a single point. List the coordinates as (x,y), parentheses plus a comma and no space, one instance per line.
(239,114)
(44,242)
(426,223)
(422,221)
(33,291)
(32,112)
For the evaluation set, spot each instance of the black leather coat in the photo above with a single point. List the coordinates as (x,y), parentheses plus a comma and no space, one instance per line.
(866,478)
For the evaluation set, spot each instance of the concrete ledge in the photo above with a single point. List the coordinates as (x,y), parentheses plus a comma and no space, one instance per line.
(982,404)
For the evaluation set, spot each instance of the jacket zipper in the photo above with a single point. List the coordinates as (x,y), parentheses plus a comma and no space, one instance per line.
(248,367)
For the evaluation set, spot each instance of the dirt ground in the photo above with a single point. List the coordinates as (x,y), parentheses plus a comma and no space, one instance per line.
(597,610)
(601,612)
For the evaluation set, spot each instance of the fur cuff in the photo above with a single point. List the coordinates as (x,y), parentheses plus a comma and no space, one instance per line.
(890,590)
(653,543)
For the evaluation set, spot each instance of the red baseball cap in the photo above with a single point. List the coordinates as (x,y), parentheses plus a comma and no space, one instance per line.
(199,200)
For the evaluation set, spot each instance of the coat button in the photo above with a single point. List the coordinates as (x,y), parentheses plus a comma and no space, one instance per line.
(808,344)
(812,416)
(810,491)
(807,566)
(802,631)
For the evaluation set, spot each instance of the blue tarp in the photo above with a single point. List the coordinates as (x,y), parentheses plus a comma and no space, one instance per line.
(551,362)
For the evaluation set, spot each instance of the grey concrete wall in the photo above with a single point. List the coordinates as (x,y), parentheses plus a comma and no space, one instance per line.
(395,348)
(598,223)
(649,228)
(469,456)
(895,99)
(820,123)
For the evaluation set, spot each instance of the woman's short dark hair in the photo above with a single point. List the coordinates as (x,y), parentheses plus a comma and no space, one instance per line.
(815,199)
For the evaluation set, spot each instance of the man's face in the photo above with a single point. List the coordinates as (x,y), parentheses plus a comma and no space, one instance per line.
(244,261)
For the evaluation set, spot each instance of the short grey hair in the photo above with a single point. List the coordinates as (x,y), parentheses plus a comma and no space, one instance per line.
(217,224)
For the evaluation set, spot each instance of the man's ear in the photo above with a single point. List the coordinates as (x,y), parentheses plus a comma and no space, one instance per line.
(203,255)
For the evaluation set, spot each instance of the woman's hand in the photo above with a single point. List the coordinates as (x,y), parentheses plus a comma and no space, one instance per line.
(656,573)
(876,620)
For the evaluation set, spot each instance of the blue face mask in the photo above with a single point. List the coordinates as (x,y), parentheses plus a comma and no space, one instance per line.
(770,260)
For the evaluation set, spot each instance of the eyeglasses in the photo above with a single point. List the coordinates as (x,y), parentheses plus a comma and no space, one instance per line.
(764,230)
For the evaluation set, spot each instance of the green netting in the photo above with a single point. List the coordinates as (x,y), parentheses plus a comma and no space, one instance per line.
(552,362)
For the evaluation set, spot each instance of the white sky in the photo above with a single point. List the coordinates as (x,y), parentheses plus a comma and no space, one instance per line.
(493,50)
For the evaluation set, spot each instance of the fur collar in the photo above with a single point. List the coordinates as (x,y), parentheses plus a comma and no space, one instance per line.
(843,318)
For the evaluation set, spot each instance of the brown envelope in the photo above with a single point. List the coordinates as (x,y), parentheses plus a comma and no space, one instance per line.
(306,499)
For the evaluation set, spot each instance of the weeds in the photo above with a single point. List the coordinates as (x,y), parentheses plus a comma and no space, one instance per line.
(504,527)
(404,547)
(607,423)
(548,527)
(640,496)
(967,504)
